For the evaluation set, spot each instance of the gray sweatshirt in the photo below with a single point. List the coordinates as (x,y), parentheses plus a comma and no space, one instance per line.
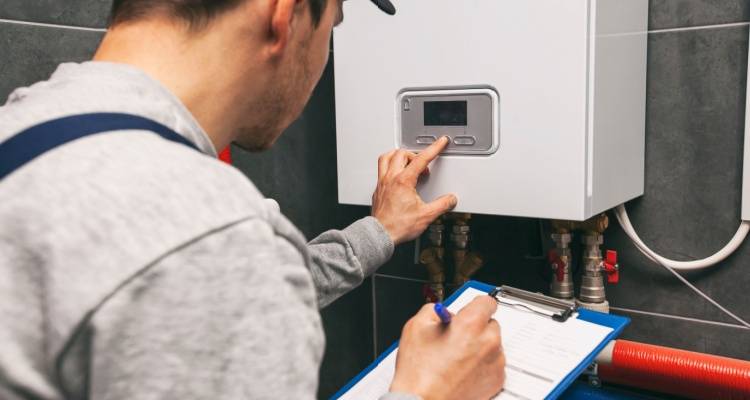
(132,267)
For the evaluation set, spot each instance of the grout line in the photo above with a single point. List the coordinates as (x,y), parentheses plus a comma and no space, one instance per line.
(400,278)
(700,27)
(374,322)
(689,319)
(46,25)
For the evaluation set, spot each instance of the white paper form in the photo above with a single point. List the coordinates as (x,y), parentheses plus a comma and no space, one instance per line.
(539,353)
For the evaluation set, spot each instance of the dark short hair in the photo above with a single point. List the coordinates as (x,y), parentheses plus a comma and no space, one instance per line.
(197,13)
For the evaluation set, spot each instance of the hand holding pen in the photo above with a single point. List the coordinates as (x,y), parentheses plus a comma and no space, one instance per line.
(443,313)
(460,357)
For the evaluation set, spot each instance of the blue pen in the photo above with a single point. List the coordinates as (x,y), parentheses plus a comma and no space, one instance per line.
(443,313)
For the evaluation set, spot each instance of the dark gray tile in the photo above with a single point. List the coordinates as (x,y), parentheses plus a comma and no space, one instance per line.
(691,206)
(396,300)
(403,263)
(86,13)
(683,13)
(513,251)
(32,53)
(688,335)
(349,339)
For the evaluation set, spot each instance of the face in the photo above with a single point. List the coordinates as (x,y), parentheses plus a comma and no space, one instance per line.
(296,75)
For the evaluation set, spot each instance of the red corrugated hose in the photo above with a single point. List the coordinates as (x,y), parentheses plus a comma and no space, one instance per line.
(679,372)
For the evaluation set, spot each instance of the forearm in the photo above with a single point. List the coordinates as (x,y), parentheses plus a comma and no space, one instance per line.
(341,260)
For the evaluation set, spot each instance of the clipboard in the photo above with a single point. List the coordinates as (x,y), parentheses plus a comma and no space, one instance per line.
(538,304)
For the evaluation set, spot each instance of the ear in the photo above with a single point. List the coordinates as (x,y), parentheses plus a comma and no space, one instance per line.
(283,13)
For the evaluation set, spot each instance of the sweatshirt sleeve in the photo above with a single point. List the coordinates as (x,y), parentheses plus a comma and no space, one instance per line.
(230,316)
(341,260)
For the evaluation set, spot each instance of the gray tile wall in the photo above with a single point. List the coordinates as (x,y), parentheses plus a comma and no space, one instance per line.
(80,13)
(697,66)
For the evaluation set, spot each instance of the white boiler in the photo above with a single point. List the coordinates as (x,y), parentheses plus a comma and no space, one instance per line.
(544,101)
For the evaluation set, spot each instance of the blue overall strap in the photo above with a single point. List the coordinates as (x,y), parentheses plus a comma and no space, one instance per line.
(37,140)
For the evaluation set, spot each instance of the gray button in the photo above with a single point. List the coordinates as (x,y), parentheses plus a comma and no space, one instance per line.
(426,139)
(464,140)
(407,105)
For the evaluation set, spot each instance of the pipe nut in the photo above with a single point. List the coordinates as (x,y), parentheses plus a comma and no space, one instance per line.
(460,229)
(435,238)
(460,241)
(562,239)
(436,228)
(592,240)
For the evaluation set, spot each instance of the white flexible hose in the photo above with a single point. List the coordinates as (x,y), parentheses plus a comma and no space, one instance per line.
(672,265)
(627,226)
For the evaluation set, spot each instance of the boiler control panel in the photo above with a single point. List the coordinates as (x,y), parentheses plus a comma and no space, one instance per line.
(469,117)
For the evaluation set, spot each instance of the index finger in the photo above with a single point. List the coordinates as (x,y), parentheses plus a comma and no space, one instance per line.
(479,312)
(423,159)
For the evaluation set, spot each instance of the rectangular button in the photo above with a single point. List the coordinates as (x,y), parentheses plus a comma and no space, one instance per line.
(426,139)
(464,140)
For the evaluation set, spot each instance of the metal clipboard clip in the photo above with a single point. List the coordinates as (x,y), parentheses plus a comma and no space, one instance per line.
(557,309)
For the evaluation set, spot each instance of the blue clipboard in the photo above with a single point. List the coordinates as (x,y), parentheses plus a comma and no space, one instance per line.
(616,322)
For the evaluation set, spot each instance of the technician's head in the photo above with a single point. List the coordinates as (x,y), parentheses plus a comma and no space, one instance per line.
(271,53)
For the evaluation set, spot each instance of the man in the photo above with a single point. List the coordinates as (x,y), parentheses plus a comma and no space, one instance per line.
(134,267)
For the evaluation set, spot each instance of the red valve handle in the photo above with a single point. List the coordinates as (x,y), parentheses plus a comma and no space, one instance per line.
(611,267)
(429,294)
(226,155)
(557,264)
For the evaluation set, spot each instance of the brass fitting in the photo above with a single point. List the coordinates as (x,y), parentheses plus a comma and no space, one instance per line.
(471,263)
(433,258)
(459,218)
(465,262)
(597,224)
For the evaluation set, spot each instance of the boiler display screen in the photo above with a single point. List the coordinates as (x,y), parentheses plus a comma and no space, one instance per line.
(445,113)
